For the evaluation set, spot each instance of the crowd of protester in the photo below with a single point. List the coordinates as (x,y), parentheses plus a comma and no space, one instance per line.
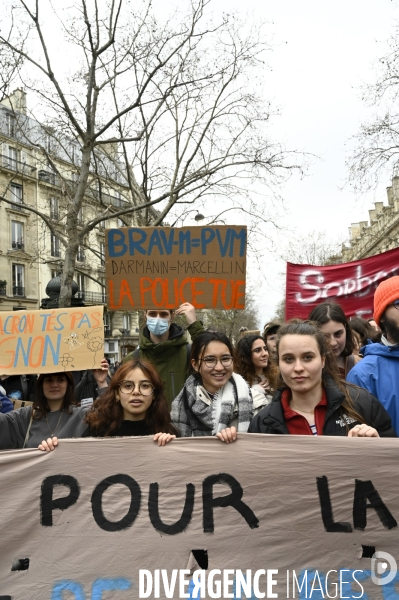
(325,375)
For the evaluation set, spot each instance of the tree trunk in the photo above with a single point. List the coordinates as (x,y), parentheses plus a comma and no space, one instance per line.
(73,235)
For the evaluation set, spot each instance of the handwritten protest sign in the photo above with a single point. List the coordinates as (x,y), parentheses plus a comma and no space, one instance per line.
(270,513)
(162,267)
(44,341)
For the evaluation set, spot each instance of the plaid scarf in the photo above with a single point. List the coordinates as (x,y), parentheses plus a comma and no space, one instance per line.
(194,413)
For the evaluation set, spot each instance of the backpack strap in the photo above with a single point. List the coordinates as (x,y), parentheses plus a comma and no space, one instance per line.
(28,430)
(24,386)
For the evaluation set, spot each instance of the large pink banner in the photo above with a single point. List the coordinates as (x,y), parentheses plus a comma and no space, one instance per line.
(351,284)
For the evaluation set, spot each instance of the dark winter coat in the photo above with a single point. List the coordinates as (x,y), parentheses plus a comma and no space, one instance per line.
(20,387)
(88,387)
(271,418)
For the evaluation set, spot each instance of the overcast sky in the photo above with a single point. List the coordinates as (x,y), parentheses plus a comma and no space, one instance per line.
(323,52)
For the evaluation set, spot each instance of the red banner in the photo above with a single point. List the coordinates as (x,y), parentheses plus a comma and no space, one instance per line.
(352,285)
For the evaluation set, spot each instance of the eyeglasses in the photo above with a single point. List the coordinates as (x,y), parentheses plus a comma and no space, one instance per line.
(145,387)
(212,361)
(259,350)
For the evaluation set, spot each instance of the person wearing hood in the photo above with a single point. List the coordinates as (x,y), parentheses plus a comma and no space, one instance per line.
(164,344)
(93,384)
(378,371)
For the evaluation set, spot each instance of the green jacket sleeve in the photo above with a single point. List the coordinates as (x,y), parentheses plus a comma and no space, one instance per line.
(195,329)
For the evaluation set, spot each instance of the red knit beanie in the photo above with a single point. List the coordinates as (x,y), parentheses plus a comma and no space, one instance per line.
(386,293)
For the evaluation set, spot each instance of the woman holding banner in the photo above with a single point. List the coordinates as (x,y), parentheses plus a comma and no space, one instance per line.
(213,397)
(134,404)
(333,323)
(53,413)
(314,400)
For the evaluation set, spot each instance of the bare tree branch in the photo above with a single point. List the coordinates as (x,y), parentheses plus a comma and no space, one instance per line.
(151,117)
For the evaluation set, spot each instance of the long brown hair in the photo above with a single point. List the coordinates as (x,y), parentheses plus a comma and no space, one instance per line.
(41,406)
(331,311)
(107,413)
(244,366)
(330,370)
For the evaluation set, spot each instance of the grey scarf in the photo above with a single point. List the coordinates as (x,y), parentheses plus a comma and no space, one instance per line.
(194,413)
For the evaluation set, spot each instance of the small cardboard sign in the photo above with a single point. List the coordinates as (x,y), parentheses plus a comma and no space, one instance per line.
(44,341)
(162,267)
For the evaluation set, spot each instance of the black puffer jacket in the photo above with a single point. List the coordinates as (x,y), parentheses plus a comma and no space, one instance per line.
(271,418)
(88,387)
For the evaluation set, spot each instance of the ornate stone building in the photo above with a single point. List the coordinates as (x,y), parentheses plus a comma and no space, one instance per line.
(30,255)
(380,233)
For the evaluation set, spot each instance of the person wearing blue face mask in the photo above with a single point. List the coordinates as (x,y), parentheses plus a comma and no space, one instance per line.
(158,326)
(164,343)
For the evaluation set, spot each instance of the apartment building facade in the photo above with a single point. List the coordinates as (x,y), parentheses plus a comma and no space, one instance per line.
(380,233)
(30,254)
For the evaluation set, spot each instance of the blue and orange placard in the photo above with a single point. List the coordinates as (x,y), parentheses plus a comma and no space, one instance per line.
(162,267)
(47,341)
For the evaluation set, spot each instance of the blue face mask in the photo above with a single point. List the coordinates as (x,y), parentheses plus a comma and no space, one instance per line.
(158,326)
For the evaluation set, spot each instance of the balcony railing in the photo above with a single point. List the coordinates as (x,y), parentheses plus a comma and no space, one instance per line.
(18,290)
(17,206)
(18,166)
(106,198)
(17,245)
(49,177)
(3,289)
(54,179)
(92,297)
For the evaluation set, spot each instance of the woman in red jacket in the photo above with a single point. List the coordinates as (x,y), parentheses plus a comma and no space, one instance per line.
(313,399)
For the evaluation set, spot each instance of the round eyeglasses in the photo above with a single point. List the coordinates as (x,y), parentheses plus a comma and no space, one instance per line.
(145,387)
(212,361)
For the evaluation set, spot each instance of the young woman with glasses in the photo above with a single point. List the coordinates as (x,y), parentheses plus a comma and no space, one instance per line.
(252,363)
(133,405)
(213,399)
